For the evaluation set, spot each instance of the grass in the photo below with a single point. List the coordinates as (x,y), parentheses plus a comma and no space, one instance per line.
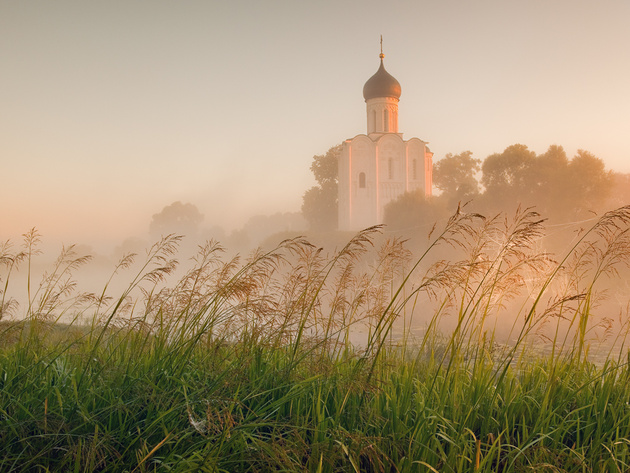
(247,365)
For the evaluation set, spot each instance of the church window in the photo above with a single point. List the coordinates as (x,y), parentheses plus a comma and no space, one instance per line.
(390,168)
(415,168)
(386,120)
(361,180)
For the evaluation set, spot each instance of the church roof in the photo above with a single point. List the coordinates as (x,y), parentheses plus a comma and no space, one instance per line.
(381,84)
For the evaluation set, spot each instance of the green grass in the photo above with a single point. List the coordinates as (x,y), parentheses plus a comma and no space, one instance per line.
(247,365)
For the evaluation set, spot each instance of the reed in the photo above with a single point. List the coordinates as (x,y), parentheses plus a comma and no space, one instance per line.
(254,364)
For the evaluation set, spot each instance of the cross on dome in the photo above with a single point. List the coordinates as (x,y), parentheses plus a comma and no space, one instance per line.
(381,84)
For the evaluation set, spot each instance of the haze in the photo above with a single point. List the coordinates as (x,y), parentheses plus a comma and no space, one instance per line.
(111,111)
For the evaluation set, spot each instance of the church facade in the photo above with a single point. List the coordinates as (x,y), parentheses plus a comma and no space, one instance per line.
(378,167)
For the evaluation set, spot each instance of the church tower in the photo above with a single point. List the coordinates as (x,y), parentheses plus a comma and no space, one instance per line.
(378,167)
(382,93)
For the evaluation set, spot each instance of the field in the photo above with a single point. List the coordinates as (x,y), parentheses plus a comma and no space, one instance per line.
(478,353)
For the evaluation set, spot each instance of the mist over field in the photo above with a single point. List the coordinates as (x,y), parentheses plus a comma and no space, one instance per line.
(509,270)
(177,292)
(114,111)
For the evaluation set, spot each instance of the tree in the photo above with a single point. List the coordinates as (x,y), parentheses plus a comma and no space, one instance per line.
(506,174)
(546,183)
(454,175)
(589,182)
(320,204)
(557,187)
(412,211)
(176,218)
(620,192)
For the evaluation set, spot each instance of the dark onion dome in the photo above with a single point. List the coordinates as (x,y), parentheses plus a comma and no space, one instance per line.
(381,84)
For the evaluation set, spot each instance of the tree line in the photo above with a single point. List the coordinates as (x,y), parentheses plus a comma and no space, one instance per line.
(559,188)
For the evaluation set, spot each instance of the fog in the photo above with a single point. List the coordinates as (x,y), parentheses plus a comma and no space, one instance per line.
(113,111)
(490,277)
(122,123)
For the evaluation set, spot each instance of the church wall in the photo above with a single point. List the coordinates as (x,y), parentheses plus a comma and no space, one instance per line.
(364,198)
(374,173)
(416,149)
(428,173)
(344,186)
(358,184)
(392,172)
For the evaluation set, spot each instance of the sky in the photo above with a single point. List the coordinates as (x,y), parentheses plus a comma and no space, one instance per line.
(112,110)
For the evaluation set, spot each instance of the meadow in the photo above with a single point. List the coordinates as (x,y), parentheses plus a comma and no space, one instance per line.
(479,353)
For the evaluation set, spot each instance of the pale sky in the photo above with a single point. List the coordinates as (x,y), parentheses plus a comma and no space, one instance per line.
(111,110)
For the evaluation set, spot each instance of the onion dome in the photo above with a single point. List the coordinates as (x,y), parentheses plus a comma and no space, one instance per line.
(381,84)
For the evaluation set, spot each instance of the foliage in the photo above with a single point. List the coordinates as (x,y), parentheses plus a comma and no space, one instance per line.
(620,193)
(176,218)
(547,186)
(590,181)
(414,210)
(454,175)
(324,166)
(559,188)
(246,366)
(320,205)
(506,175)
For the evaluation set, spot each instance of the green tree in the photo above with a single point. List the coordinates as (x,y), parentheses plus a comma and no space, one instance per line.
(454,175)
(320,203)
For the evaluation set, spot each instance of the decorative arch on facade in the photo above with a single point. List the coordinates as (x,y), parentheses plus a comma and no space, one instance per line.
(417,152)
(391,150)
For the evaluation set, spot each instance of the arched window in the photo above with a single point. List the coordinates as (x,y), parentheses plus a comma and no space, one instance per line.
(361,180)
(386,120)
(390,168)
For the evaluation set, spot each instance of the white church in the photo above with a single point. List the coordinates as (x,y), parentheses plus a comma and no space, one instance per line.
(378,167)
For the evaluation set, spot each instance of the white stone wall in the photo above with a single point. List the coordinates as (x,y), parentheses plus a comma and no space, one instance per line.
(387,162)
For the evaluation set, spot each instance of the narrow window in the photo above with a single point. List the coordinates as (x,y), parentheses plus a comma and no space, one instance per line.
(390,168)
(415,169)
(362,180)
(386,118)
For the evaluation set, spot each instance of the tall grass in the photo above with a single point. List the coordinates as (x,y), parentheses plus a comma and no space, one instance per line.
(255,364)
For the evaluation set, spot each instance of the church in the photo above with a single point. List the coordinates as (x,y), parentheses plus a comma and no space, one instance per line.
(377,168)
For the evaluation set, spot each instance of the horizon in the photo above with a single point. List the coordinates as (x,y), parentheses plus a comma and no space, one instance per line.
(114,111)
